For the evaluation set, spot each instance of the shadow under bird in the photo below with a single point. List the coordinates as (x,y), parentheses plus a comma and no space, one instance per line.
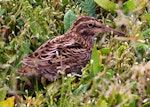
(67,53)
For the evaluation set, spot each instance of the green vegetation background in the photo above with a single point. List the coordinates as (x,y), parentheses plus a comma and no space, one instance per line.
(118,74)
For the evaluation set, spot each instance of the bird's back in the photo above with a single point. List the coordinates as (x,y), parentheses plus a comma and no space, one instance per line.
(61,54)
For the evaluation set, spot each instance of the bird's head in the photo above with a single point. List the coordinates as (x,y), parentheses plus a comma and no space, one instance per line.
(89,26)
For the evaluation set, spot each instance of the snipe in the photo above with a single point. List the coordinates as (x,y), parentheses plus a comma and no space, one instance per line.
(66,53)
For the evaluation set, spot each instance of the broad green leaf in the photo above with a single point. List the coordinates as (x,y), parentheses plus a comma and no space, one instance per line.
(2,94)
(68,19)
(106,4)
(128,6)
(95,61)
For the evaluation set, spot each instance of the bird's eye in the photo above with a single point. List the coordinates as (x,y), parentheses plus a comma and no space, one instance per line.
(90,25)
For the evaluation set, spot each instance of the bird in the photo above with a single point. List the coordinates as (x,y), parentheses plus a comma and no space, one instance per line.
(68,53)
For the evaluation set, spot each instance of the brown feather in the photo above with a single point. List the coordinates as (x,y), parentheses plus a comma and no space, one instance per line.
(66,53)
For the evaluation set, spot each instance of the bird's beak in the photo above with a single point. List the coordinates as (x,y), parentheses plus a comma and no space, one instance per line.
(105,29)
(113,31)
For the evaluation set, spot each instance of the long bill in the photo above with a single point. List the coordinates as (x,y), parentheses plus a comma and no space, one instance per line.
(113,31)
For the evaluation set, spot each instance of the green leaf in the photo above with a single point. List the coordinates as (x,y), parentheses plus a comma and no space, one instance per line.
(131,85)
(79,1)
(12,59)
(106,4)
(109,74)
(146,33)
(105,50)
(141,47)
(147,104)
(102,103)
(89,6)
(82,89)
(25,48)
(2,94)
(68,19)
(110,23)
(95,61)
(147,16)
(128,6)
(64,2)
(20,22)
(132,102)
(9,102)
(120,50)
(2,11)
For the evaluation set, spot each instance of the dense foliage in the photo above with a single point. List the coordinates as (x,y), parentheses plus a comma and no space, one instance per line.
(118,74)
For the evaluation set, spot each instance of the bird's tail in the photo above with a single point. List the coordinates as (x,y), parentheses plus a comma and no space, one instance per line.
(28,71)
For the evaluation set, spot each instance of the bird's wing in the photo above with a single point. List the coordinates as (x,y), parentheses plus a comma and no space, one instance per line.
(55,56)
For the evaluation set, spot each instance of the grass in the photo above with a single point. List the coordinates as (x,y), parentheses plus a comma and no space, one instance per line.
(117,75)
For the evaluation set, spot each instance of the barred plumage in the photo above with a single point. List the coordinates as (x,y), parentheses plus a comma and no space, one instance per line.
(66,53)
